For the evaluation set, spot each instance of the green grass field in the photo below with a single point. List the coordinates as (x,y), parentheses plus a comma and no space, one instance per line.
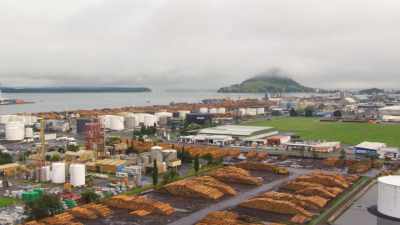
(4,201)
(347,133)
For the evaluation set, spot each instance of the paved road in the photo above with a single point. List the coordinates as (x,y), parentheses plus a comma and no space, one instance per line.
(241,197)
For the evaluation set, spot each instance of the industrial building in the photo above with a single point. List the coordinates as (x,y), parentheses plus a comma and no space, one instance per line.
(370,148)
(323,147)
(390,113)
(240,132)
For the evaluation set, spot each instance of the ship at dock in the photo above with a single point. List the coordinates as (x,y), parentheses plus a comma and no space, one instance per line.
(11,101)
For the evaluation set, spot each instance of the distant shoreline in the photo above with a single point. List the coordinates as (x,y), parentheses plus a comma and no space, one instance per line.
(73,89)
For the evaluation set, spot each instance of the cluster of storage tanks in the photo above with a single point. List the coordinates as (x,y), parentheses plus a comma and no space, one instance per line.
(18,127)
(133,120)
(251,111)
(56,173)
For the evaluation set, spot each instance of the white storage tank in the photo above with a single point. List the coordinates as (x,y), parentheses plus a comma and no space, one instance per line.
(163,114)
(156,154)
(183,113)
(28,132)
(251,111)
(45,173)
(58,172)
(149,120)
(212,111)
(140,117)
(77,174)
(260,111)
(116,122)
(389,196)
(203,110)
(242,111)
(169,155)
(15,131)
(130,122)
(221,110)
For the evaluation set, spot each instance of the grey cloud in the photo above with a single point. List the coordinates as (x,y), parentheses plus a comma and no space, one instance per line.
(192,43)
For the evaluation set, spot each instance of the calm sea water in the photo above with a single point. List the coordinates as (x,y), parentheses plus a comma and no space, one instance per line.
(73,101)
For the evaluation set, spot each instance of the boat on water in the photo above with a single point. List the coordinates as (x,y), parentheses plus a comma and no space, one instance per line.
(10,101)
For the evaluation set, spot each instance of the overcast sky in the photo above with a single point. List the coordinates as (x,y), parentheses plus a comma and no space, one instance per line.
(199,43)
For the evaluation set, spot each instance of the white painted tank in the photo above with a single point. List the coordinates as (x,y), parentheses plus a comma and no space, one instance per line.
(242,111)
(112,122)
(116,122)
(130,122)
(183,113)
(163,114)
(140,117)
(45,173)
(15,131)
(212,111)
(389,196)
(156,154)
(28,132)
(251,111)
(221,110)
(77,174)
(169,155)
(203,110)
(149,120)
(260,111)
(58,172)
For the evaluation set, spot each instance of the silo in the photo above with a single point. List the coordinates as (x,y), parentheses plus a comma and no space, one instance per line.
(45,173)
(251,111)
(221,110)
(58,172)
(203,110)
(28,132)
(389,196)
(156,154)
(116,122)
(149,120)
(260,111)
(183,113)
(212,111)
(130,122)
(15,131)
(77,174)
(169,155)
(242,111)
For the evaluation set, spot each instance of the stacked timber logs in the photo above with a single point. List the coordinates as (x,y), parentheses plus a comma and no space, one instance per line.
(275,206)
(200,187)
(233,174)
(60,219)
(140,203)
(309,202)
(224,218)
(250,165)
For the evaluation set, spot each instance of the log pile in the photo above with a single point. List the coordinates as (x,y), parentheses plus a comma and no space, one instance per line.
(256,155)
(275,206)
(60,219)
(233,174)
(140,203)
(200,187)
(325,180)
(224,218)
(140,213)
(99,209)
(34,222)
(299,219)
(248,165)
(316,191)
(83,213)
(308,202)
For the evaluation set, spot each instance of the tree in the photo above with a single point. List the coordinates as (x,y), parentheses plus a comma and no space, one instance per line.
(89,195)
(209,158)
(196,164)
(170,176)
(309,111)
(155,173)
(337,114)
(5,158)
(55,158)
(293,112)
(44,206)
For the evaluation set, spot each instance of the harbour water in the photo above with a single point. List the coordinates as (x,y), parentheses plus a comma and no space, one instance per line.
(46,102)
